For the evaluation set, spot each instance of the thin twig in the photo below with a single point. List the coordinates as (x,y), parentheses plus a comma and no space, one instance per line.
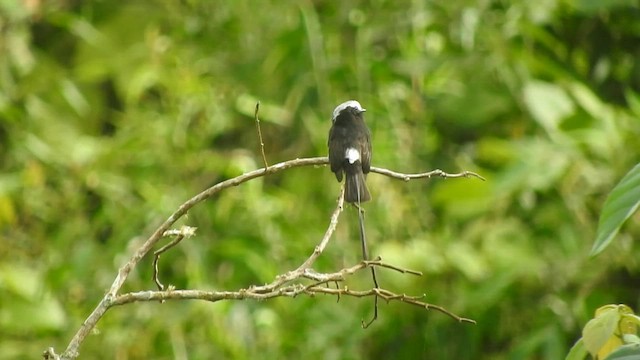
(378,262)
(184,231)
(156,259)
(428,175)
(375,312)
(264,157)
(156,280)
(389,296)
(341,275)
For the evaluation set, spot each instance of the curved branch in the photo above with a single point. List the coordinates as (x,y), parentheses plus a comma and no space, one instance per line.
(72,349)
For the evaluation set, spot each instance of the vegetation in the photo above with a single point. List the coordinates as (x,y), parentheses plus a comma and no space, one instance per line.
(112,115)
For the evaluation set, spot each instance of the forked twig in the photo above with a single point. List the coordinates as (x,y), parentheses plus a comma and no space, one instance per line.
(185,231)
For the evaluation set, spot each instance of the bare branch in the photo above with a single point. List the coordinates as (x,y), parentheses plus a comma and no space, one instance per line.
(291,290)
(428,175)
(276,288)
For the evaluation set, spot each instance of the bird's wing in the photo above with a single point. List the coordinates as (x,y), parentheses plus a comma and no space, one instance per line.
(336,151)
(365,150)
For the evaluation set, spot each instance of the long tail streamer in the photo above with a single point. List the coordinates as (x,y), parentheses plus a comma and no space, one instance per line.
(365,256)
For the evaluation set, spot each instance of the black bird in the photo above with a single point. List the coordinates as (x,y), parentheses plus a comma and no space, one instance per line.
(350,150)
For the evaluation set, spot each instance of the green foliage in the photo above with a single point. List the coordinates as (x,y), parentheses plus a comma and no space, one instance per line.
(620,205)
(112,115)
(611,334)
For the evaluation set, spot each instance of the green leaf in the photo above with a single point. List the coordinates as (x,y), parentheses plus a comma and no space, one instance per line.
(626,352)
(578,351)
(620,205)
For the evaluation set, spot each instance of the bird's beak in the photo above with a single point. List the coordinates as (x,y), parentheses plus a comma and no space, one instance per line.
(363,110)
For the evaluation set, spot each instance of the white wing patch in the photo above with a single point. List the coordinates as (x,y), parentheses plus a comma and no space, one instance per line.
(344,105)
(352,155)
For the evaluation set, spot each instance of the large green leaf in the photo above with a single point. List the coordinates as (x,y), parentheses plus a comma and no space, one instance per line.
(620,205)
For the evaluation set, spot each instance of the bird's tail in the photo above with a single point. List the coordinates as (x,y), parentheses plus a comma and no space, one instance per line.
(356,188)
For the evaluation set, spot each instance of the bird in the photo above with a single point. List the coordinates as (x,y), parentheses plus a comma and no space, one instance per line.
(350,150)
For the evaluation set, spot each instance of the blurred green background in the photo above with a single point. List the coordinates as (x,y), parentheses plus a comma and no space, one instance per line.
(114,113)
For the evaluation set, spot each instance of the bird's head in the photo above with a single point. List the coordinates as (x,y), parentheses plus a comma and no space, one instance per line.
(351,105)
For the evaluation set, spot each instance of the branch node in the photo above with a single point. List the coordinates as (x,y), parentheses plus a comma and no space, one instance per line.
(50,354)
